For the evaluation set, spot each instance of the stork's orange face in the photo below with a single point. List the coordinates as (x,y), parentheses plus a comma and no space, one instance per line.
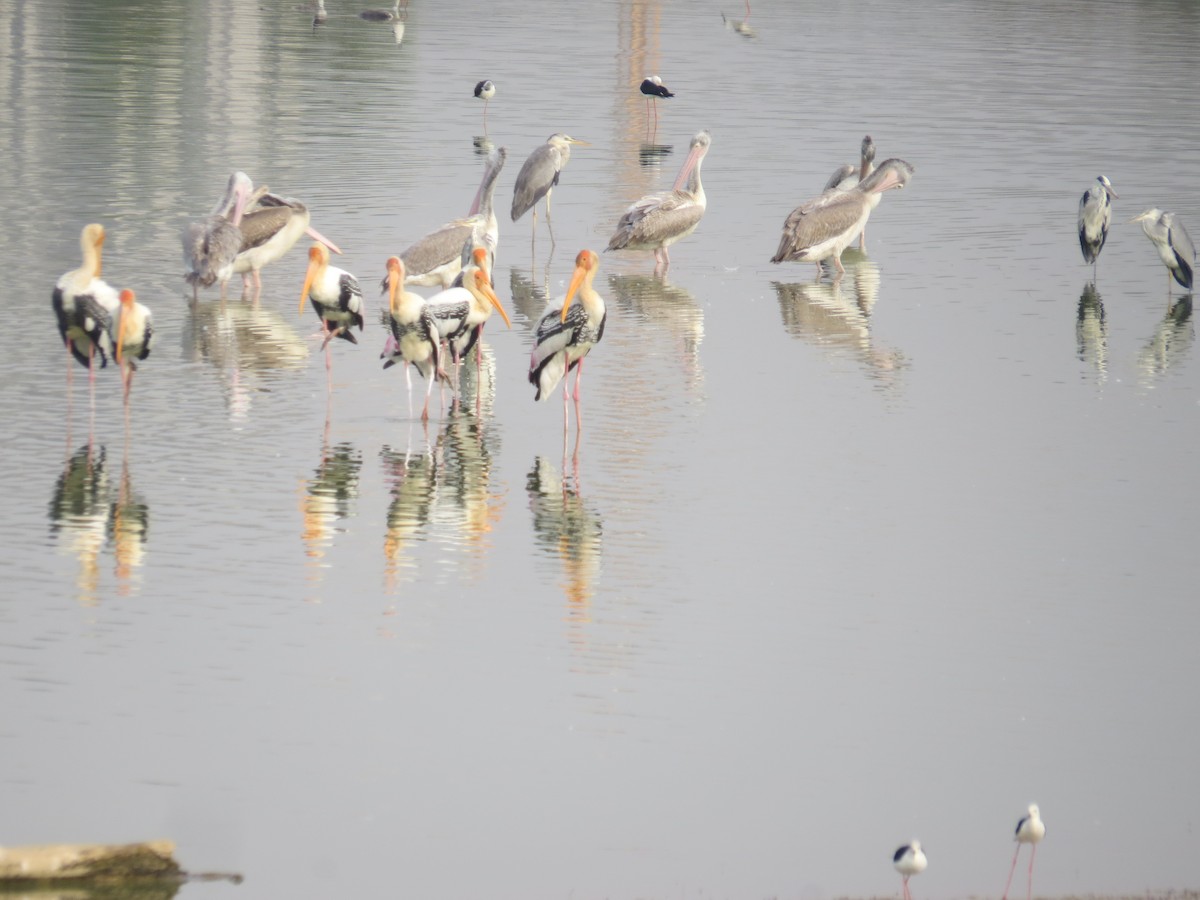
(318,261)
(586,261)
(482,286)
(395,281)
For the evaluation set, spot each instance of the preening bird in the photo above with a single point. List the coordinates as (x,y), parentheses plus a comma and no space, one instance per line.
(210,247)
(1030,830)
(413,336)
(653,88)
(847,176)
(909,860)
(132,334)
(270,228)
(822,228)
(539,175)
(1095,214)
(84,306)
(567,332)
(1174,245)
(336,299)
(657,221)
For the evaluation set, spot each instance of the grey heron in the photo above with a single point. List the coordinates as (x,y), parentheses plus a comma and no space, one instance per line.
(1174,245)
(336,299)
(1030,830)
(566,333)
(822,228)
(84,306)
(539,175)
(485,91)
(210,248)
(1095,214)
(909,860)
(413,336)
(658,220)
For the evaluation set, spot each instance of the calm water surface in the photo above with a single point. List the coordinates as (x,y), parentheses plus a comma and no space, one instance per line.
(831,567)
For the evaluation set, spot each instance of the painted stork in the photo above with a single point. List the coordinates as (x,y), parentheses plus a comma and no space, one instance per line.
(133,331)
(414,334)
(566,334)
(657,221)
(460,312)
(336,298)
(85,305)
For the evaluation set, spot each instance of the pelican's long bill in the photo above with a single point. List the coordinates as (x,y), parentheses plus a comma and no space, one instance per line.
(583,262)
(688,165)
(127,299)
(318,259)
(317,236)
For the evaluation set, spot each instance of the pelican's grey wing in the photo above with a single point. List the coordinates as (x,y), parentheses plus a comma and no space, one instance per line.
(264,223)
(655,218)
(436,249)
(844,178)
(818,220)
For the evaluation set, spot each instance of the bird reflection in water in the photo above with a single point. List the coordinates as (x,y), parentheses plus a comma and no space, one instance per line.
(246,343)
(328,496)
(653,155)
(565,527)
(1171,341)
(656,304)
(741,26)
(466,500)
(1091,331)
(837,316)
(411,480)
(85,516)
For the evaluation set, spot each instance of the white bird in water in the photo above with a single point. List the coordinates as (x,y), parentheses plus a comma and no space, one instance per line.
(132,334)
(210,248)
(539,175)
(848,176)
(653,87)
(566,333)
(413,334)
(657,221)
(822,228)
(1174,245)
(269,230)
(485,90)
(460,312)
(84,306)
(1095,214)
(1030,830)
(909,860)
(336,298)
(436,259)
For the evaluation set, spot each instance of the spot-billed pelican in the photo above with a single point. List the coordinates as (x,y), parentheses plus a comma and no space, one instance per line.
(566,334)
(909,860)
(847,176)
(336,298)
(413,334)
(824,227)
(85,305)
(436,259)
(1030,830)
(1095,214)
(1174,245)
(269,230)
(211,247)
(132,333)
(658,220)
(539,175)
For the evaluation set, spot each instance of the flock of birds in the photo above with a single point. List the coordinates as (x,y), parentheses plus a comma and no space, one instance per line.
(909,859)
(251,227)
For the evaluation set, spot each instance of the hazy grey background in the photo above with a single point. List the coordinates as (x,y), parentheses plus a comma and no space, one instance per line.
(835,568)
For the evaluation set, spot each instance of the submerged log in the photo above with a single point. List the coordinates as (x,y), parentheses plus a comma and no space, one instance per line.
(88,863)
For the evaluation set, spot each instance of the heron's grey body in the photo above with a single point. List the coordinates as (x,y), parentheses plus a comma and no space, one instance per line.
(822,228)
(1174,245)
(1095,215)
(540,173)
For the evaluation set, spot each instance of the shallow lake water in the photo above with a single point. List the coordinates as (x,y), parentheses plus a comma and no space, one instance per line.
(829,567)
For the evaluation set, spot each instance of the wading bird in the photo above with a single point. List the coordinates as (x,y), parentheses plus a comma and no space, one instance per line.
(1175,247)
(132,333)
(909,860)
(414,336)
(657,221)
(539,175)
(1095,214)
(460,312)
(847,176)
(1030,830)
(824,227)
(436,259)
(381,15)
(485,91)
(566,333)
(335,297)
(653,88)
(269,230)
(84,306)
(210,248)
